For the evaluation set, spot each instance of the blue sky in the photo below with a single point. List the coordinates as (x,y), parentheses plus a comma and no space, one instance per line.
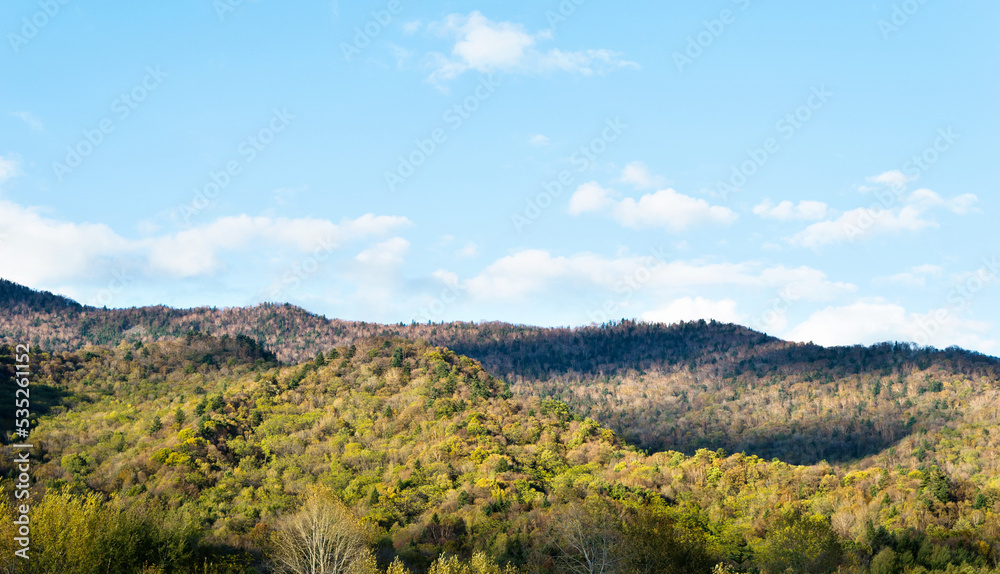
(818,171)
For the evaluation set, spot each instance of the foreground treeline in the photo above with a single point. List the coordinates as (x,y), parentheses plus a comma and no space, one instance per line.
(76,534)
(204,455)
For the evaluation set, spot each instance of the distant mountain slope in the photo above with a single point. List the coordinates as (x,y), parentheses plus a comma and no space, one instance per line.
(20,299)
(683,387)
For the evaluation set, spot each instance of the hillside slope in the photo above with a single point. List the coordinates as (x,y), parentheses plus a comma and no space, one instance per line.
(435,455)
(682,387)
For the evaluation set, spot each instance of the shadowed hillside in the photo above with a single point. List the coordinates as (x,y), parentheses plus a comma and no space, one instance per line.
(683,387)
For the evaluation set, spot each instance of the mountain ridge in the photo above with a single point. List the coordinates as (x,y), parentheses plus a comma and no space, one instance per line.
(271,324)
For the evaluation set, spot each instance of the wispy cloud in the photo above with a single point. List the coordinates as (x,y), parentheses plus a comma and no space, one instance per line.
(666,208)
(877,320)
(9,167)
(539,140)
(483,45)
(537,271)
(30,119)
(915,277)
(638,175)
(788,211)
(895,211)
(695,308)
(44,249)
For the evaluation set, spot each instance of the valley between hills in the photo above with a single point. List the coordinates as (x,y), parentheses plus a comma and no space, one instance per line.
(183,440)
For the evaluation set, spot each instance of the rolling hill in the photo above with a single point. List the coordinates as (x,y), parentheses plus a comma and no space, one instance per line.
(668,448)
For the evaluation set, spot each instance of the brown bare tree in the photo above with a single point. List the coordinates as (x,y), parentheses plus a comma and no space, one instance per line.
(587,540)
(322,538)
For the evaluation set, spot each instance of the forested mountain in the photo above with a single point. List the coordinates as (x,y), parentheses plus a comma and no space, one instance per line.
(197,453)
(633,447)
(686,386)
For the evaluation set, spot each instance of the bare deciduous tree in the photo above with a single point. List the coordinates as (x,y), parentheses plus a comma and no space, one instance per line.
(587,541)
(322,538)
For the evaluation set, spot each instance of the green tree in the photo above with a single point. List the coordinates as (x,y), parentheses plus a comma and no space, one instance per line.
(937,484)
(655,543)
(884,562)
(801,543)
(78,463)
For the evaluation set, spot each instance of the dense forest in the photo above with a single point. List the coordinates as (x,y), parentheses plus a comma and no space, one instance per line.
(616,448)
(684,387)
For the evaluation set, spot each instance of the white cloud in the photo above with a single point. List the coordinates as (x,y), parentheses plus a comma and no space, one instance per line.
(671,210)
(863,321)
(195,251)
(907,279)
(386,253)
(401,54)
(487,46)
(525,272)
(804,283)
(40,250)
(539,140)
(285,195)
(446,277)
(412,27)
(584,62)
(879,219)
(665,208)
(9,168)
(876,320)
(589,197)
(30,119)
(788,211)
(858,223)
(692,309)
(638,175)
(536,271)
(916,277)
(470,250)
(893,179)
(926,199)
